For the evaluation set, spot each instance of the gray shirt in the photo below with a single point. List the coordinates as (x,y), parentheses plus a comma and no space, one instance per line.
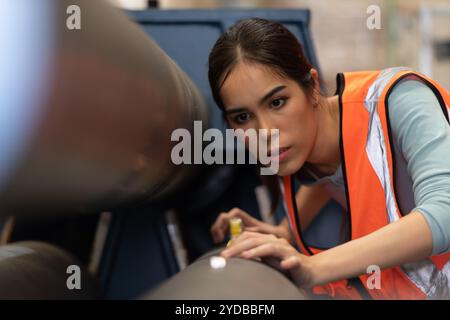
(421,138)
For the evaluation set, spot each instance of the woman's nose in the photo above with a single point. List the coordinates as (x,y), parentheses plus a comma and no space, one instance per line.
(264,123)
(267,132)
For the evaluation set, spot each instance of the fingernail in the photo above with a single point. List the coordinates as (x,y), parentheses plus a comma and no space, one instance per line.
(225,253)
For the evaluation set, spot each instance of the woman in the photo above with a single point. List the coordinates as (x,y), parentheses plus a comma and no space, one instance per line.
(380,146)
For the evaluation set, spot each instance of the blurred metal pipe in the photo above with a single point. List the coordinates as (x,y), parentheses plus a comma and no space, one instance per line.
(37,271)
(86,115)
(239,279)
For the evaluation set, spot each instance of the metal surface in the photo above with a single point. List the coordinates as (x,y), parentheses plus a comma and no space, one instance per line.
(239,279)
(36,270)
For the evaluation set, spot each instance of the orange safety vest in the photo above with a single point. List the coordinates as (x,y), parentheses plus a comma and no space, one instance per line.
(367,167)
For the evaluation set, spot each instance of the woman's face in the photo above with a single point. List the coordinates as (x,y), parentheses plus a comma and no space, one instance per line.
(256,97)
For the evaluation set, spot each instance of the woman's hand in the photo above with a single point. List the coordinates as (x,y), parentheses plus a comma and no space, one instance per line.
(278,252)
(221,225)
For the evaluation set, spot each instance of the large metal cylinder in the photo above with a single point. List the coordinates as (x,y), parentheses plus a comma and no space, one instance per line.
(37,270)
(86,115)
(239,279)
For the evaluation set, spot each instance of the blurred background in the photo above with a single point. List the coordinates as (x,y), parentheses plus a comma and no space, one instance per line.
(414,33)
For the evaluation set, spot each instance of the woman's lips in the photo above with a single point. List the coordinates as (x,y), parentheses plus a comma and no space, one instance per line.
(280,154)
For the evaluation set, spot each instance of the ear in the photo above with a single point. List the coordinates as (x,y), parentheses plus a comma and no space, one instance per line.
(315,75)
(316,91)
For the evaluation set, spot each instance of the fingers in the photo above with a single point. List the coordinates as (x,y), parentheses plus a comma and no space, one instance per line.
(243,244)
(221,225)
(277,252)
(253,229)
(247,219)
(271,249)
(263,228)
(248,241)
(290,262)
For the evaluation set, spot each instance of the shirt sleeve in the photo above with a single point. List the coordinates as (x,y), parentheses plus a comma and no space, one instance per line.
(423,137)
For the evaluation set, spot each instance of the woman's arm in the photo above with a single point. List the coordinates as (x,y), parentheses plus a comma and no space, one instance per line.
(422,135)
(406,240)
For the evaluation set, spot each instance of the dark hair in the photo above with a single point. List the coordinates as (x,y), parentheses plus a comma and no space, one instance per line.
(259,41)
(264,42)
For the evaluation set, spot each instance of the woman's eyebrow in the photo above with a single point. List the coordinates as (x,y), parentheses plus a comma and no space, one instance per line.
(261,101)
(235,110)
(271,93)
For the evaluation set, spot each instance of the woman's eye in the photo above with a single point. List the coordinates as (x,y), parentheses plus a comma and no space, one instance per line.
(278,103)
(241,118)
